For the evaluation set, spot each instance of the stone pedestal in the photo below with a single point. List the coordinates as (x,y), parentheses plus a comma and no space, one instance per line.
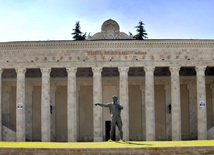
(176,103)
(97,98)
(149,103)
(20,105)
(124,100)
(1,70)
(45,105)
(72,105)
(201,98)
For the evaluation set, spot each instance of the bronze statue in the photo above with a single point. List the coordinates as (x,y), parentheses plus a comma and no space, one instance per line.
(115,109)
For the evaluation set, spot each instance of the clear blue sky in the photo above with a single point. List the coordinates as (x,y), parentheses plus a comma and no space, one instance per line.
(23,20)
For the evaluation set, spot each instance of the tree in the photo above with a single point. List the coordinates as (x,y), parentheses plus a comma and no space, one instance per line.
(77,34)
(141,35)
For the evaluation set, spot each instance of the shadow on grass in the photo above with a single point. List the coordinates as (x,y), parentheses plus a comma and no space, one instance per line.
(131,143)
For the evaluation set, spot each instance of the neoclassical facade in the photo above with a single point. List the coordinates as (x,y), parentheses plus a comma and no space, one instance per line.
(48,88)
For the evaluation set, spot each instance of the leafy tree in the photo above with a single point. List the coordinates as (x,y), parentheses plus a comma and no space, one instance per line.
(141,35)
(77,34)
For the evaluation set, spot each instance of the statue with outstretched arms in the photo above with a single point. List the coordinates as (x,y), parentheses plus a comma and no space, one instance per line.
(115,109)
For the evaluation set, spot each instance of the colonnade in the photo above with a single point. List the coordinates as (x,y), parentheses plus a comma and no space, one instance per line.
(97,97)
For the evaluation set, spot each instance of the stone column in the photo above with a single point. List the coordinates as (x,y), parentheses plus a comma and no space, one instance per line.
(149,103)
(28,111)
(124,100)
(201,97)
(97,98)
(72,105)
(175,103)
(20,103)
(168,112)
(45,105)
(142,88)
(1,70)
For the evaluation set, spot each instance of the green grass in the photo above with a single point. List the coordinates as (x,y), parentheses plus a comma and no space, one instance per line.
(116,144)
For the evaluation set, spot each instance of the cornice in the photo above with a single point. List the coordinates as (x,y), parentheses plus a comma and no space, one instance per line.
(104,44)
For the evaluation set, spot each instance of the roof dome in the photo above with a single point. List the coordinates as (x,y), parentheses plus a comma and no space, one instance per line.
(110,25)
(110,30)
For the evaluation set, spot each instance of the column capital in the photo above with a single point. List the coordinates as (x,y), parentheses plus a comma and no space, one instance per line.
(45,70)
(200,69)
(71,71)
(97,71)
(20,70)
(123,69)
(149,68)
(1,70)
(174,68)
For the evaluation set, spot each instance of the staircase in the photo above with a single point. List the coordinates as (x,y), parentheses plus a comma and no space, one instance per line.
(8,134)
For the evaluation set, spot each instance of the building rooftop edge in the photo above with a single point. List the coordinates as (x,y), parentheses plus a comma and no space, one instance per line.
(105,40)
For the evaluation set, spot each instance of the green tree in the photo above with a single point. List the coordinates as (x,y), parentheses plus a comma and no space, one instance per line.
(141,32)
(77,34)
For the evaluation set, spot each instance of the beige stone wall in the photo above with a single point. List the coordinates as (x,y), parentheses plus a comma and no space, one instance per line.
(36,114)
(185,119)
(86,113)
(61,114)
(160,110)
(135,112)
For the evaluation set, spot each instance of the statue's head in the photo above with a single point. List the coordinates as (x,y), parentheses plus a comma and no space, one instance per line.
(114,98)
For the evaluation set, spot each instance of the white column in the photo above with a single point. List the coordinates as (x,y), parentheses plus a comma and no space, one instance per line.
(45,105)
(176,103)
(124,100)
(201,97)
(20,103)
(149,103)
(72,105)
(97,98)
(1,70)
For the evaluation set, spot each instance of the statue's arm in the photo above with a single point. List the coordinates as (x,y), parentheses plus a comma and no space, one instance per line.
(102,105)
(120,106)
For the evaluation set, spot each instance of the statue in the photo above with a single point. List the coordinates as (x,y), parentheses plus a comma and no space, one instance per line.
(115,109)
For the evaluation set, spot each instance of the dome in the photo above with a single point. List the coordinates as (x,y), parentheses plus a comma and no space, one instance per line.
(110,25)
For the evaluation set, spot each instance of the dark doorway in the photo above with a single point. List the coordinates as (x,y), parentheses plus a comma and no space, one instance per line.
(108,129)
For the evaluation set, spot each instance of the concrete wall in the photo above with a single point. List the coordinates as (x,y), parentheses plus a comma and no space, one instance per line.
(61,114)
(135,112)
(86,113)
(160,113)
(36,114)
(185,119)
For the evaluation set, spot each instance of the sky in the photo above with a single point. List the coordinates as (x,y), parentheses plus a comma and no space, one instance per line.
(36,20)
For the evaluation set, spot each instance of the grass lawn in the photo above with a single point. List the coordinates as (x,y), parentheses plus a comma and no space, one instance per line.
(116,144)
